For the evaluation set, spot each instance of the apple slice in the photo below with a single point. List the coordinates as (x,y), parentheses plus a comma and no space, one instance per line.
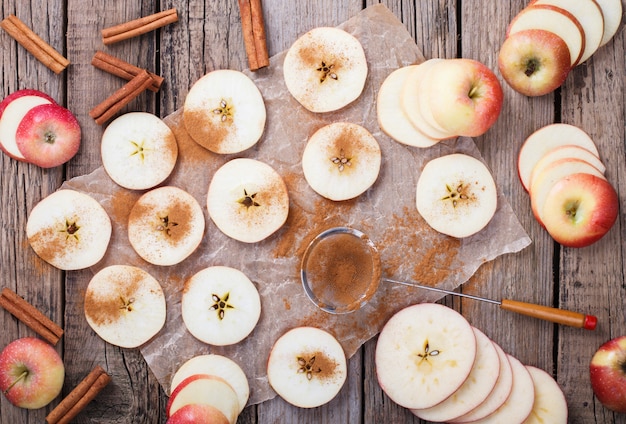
(424,353)
(550,405)
(567,151)
(307,367)
(165,225)
(220,366)
(220,305)
(341,161)
(139,151)
(612,14)
(476,388)
(48,135)
(589,15)
(69,229)
(553,19)
(195,413)
(545,139)
(391,116)
(498,395)
(11,117)
(21,93)
(325,69)
(247,200)
(580,209)
(209,390)
(456,195)
(224,112)
(125,305)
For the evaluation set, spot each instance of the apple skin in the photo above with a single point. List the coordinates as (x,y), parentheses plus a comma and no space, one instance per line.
(43,371)
(465,96)
(49,135)
(580,210)
(198,414)
(534,62)
(20,93)
(607,372)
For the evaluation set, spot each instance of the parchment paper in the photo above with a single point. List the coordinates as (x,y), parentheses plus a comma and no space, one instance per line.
(387,213)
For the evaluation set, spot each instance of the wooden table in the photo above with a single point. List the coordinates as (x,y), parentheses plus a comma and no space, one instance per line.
(207,37)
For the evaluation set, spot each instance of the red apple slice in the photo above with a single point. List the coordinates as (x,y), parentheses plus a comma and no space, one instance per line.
(580,209)
(545,139)
(202,389)
(220,366)
(553,19)
(48,135)
(564,152)
(21,93)
(550,405)
(307,367)
(424,353)
(194,413)
(589,15)
(11,117)
(612,13)
(476,388)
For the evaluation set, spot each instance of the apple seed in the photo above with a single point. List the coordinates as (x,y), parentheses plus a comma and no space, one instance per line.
(221,305)
(307,367)
(326,71)
(248,199)
(225,110)
(454,195)
(341,161)
(427,352)
(71,229)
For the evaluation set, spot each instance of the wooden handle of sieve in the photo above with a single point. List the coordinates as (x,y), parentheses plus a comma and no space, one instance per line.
(559,316)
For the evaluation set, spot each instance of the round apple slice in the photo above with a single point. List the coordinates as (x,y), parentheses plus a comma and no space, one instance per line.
(341,161)
(307,367)
(456,195)
(139,151)
(12,116)
(564,152)
(391,117)
(550,405)
(612,13)
(21,93)
(247,200)
(325,69)
(220,366)
(224,112)
(125,305)
(220,305)
(69,229)
(197,413)
(476,388)
(424,354)
(200,389)
(165,225)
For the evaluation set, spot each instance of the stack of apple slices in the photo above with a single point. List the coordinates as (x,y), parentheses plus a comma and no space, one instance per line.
(547,38)
(431,360)
(420,105)
(37,130)
(560,167)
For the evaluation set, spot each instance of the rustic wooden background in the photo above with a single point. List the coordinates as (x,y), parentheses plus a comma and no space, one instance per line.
(207,37)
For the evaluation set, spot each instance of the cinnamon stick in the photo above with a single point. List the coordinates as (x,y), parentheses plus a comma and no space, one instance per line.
(115,102)
(80,397)
(122,69)
(139,26)
(41,50)
(254,38)
(31,316)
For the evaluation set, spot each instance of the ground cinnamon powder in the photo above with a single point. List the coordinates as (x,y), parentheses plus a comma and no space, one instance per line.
(104,308)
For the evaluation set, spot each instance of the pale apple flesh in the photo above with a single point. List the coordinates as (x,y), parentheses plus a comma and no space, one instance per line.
(607,372)
(11,117)
(550,405)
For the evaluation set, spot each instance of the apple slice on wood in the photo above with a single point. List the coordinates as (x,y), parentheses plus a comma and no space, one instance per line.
(12,116)
(567,151)
(476,388)
(545,139)
(550,405)
(307,367)
(553,19)
(197,413)
(202,389)
(424,353)
(612,14)
(21,93)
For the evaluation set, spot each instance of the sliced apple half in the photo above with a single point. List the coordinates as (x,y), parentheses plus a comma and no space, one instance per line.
(456,195)
(612,13)
(247,200)
(224,112)
(424,353)
(139,151)
(476,388)
(12,116)
(550,405)
(220,366)
(125,305)
(553,19)
(209,390)
(325,69)
(195,413)
(307,367)
(69,229)
(165,225)
(567,151)
(341,161)
(589,15)
(545,139)
(391,116)
(220,305)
